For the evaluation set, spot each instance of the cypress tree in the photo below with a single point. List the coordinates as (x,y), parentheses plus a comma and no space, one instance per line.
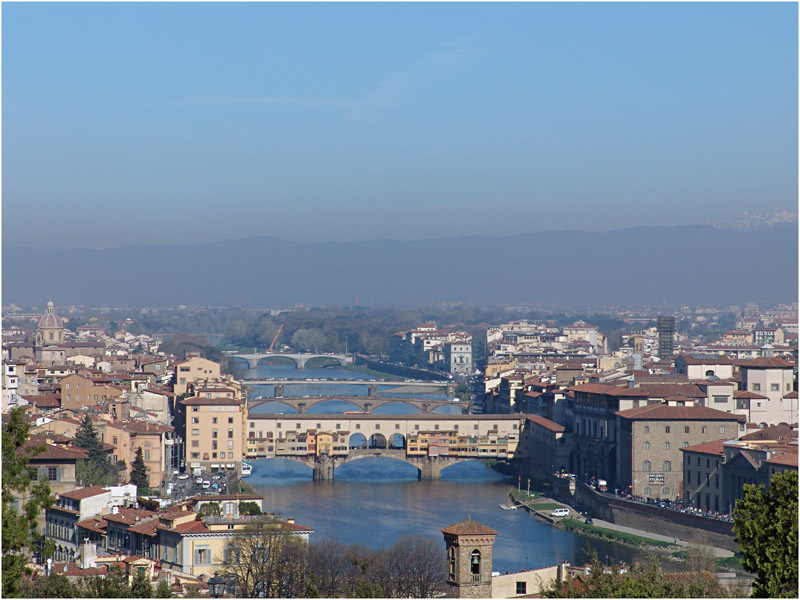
(139,473)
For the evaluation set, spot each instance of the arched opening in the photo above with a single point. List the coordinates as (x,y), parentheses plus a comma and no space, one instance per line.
(451,564)
(397,441)
(320,362)
(396,408)
(334,406)
(277,361)
(357,441)
(377,440)
(272,407)
(475,564)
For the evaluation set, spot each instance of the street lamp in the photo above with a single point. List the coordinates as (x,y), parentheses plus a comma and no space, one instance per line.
(217,586)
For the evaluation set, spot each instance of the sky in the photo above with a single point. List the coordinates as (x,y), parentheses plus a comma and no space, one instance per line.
(183,123)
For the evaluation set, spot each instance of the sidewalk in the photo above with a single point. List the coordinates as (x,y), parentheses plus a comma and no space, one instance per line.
(717,552)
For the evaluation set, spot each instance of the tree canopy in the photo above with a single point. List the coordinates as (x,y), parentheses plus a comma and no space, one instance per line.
(20,536)
(97,469)
(139,475)
(765,523)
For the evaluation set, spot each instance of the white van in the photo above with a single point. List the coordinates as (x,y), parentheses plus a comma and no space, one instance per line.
(560,512)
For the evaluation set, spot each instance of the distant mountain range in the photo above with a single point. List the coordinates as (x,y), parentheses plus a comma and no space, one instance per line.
(694,265)
(748,221)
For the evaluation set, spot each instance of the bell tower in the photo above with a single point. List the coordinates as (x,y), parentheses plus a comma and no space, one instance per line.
(469,559)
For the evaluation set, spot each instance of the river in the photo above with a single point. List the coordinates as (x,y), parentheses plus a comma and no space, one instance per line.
(377,500)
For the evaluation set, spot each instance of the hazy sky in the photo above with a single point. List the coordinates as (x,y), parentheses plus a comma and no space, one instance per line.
(150,123)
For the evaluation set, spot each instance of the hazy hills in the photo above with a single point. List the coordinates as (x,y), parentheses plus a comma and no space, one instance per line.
(688,264)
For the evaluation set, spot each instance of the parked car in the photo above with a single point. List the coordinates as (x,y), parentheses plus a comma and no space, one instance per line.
(183,476)
(206,485)
(560,512)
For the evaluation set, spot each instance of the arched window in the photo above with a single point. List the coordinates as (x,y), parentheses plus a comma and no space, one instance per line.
(646,465)
(667,466)
(666,492)
(475,565)
(451,563)
(646,492)
(666,445)
(709,373)
(647,445)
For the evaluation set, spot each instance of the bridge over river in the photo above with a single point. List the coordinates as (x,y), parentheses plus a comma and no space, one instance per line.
(300,359)
(364,404)
(429,442)
(401,387)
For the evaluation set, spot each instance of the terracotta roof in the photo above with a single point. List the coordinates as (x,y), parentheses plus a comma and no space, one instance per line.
(295,527)
(773,432)
(195,401)
(697,359)
(128,516)
(716,448)
(748,394)
(87,492)
(593,388)
(792,394)
(74,570)
(93,524)
(145,427)
(546,423)
(44,400)
(160,392)
(191,527)
(663,412)
(784,457)
(62,509)
(765,363)
(469,527)
(146,528)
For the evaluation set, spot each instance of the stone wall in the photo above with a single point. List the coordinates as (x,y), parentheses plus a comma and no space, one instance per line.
(657,520)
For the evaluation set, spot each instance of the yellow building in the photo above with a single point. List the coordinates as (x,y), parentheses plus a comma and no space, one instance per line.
(193,370)
(213,432)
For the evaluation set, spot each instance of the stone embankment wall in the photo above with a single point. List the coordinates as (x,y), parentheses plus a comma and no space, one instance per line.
(653,519)
(409,372)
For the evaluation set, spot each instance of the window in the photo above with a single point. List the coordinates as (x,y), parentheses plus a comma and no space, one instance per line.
(147,455)
(296,425)
(436,427)
(647,445)
(202,556)
(230,454)
(666,492)
(756,387)
(720,399)
(686,429)
(195,443)
(194,432)
(397,425)
(319,426)
(230,420)
(253,424)
(377,425)
(646,465)
(214,455)
(475,427)
(358,425)
(774,387)
(522,588)
(338,426)
(195,420)
(214,434)
(667,466)
(230,444)
(666,445)
(685,444)
(647,428)
(705,429)
(214,445)
(646,491)
(114,440)
(195,455)
(213,420)
(475,565)
(722,429)
(666,429)
(53,473)
(279,425)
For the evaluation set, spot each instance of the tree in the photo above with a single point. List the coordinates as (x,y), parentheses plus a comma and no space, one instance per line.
(97,469)
(267,562)
(765,524)
(249,508)
(20,537)
(139,474)
(141,586)
(415,567)
(113,585)
(163,589)
(54,585)
(210,509)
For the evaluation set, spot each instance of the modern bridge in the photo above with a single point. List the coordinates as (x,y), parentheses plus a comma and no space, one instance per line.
(324,442)
(363,403)
(279,384)
(300,359)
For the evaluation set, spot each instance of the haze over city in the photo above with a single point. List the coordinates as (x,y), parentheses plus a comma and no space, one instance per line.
(157,124)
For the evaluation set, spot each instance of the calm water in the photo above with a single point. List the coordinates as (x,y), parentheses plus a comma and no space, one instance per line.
(316,389)
(377,500)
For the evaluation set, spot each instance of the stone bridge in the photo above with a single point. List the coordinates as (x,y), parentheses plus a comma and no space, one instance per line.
(364,404)
(300,359)
(373,386)
(428,467)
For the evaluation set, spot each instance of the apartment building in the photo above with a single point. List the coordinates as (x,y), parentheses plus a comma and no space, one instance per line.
(212,430)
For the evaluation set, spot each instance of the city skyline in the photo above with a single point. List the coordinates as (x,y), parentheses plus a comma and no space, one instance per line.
(161,124)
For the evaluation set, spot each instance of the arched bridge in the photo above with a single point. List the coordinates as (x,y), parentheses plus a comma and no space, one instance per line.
(428,467)
(364,404)
(300,359)
(427,441)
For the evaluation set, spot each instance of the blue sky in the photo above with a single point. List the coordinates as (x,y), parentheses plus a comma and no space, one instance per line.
(156,123)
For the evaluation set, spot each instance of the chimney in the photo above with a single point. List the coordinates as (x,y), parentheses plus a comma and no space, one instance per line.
(290,520)
(115,510)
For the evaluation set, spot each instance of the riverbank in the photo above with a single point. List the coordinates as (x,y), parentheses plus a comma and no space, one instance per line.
(371,372)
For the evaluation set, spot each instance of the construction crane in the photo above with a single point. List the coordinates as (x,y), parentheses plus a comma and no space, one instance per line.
(275,339)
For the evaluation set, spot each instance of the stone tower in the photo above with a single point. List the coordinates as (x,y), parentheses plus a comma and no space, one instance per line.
(469,559)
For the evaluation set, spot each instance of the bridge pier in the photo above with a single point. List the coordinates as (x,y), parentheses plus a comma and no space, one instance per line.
(279,390)
(323,468)
(301,408)
(367,407)
(252,363)
(429,469)
(373,390)
(451,389)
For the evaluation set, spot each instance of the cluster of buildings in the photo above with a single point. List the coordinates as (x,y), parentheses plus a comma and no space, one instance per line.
(636,416)
(429,346)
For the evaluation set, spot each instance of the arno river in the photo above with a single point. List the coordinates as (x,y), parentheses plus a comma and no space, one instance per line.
(378,500)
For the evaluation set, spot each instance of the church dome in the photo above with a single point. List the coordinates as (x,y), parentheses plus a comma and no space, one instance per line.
(50,320)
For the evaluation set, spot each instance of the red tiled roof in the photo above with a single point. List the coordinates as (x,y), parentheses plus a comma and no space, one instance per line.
(146,528)
(716,448)
(160,392)
(215,497)
(663,412)
(191,527)
(295,527)
(145,427)
(773,432)
(748,394)
(87,492)
(792,394)
(765,363)
(785,457)
(693,359)
(128,516)
(93,524)
(73,569)
(469,527)
(546,423)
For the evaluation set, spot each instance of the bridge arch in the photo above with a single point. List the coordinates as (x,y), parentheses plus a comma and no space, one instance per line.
(398,441)
(357,440)
(323,361)
(377,440)
(278,361)
(271,407)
